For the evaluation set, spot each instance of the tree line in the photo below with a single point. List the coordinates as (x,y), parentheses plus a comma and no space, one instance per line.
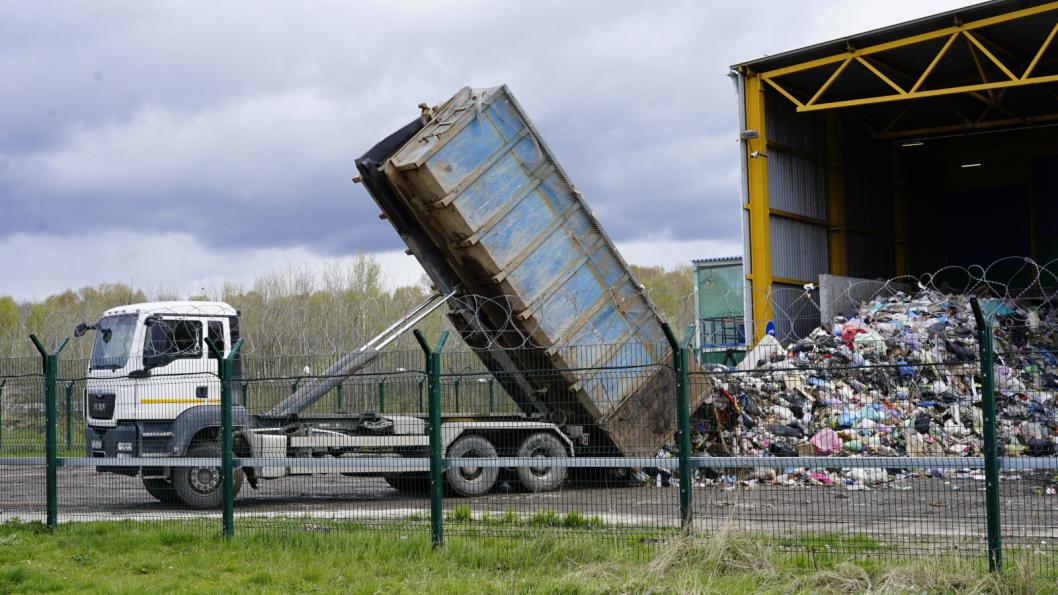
(294,311)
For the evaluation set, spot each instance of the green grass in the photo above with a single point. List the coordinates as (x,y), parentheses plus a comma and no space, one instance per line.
(29,441)
(175,557)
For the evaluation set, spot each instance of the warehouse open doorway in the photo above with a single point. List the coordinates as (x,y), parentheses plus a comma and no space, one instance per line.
(900,151)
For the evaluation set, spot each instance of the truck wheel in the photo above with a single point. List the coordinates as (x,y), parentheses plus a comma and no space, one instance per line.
(200,487)
(411,483)
(471,481)
(540,478)
(161,489)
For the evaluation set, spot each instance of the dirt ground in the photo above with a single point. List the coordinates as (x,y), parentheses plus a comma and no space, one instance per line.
(913,512)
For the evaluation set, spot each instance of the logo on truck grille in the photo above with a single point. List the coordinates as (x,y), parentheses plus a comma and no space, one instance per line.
(101,406)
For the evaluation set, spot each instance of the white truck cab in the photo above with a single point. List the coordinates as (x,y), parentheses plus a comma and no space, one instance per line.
(150,361)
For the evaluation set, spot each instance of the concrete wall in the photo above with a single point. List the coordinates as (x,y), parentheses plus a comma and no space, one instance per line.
(838,295)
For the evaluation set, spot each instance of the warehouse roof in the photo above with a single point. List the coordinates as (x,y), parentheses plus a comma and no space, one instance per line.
(987,65)
(889,33)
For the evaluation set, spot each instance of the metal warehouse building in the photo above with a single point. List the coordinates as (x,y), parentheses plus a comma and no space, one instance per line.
(899,151)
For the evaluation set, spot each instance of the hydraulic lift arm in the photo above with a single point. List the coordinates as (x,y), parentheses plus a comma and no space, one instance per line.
(313,390)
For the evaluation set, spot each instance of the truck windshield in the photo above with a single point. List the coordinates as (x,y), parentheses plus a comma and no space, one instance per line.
(113,342)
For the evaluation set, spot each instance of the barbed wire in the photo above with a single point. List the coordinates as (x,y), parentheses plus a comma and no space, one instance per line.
(337,321)
(1028,288)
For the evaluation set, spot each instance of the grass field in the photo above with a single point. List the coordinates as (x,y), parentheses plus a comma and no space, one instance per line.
(140,557)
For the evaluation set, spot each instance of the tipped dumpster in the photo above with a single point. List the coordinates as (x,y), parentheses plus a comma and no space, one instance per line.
(546,302)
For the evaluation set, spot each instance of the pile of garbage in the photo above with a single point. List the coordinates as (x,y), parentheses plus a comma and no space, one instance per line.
(898,378)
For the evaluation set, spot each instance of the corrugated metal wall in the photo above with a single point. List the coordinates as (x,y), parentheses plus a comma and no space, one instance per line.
(796,185)
(796,311)
(798,249)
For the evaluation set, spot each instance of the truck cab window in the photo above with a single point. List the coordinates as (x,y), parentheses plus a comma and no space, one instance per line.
(174,339)
(216,334)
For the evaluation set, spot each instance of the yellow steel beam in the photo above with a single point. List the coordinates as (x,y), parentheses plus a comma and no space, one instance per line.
(929,93)
(969,125)
(796,217)
(990,56)
(833,77)
(878,73)
(759,233)
(899,43)
(936,60)
(789,281)
(980,67)
(785,93)
(1039,54)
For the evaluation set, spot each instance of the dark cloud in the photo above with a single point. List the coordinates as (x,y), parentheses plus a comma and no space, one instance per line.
(237,124)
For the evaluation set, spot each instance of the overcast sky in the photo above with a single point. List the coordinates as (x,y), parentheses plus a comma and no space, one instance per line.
(172,144)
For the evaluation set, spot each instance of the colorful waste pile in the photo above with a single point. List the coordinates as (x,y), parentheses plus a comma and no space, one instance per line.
(899,378)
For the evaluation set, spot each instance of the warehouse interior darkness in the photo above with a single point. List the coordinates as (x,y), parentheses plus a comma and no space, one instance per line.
(924,145)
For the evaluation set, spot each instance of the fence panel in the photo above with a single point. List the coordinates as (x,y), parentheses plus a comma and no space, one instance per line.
(581,389)
(22,447)
(864,438)
(334,462)
(827,445)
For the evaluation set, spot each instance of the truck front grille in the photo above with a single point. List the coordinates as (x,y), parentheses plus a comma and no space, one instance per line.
(101,406)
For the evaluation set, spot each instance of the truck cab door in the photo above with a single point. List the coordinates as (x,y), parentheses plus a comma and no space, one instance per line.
(181,375)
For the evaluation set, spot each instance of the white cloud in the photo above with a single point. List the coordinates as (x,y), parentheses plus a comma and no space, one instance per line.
(178,263)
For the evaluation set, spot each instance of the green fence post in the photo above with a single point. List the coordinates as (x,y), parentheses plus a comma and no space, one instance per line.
(50,365)
(433,374)
(421,404)
(382,395)
(340,385)
(492,397)
(2,383)
(246,394)
(988,413)
(226,369)
(683,424)
(69,420)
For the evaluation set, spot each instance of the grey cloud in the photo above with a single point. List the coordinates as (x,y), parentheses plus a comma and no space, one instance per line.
(238,123)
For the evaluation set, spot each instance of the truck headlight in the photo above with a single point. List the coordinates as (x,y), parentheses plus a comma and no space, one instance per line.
(97,445)
(125,446)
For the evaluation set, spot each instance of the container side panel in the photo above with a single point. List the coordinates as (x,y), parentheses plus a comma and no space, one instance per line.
(510,236)
(504,181)
(543,265)
(460,157)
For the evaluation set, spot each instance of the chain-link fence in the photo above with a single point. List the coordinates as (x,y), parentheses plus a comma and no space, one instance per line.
(876,436)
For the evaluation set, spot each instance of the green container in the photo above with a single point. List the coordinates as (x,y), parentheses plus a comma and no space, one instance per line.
(718,290)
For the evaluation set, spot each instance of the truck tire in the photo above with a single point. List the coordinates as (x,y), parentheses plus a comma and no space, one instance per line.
(542,479)
(201,487)
(162,490)
(410,483)
(471,481)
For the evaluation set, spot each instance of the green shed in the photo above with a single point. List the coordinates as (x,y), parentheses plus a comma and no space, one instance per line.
(719,308)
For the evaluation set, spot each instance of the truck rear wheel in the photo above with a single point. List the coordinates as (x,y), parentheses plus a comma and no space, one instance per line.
(541,478)
(411,483)
(201,487)
(471,481)
(162,490)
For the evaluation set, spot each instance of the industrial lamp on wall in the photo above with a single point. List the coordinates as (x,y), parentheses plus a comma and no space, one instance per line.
(747,135)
